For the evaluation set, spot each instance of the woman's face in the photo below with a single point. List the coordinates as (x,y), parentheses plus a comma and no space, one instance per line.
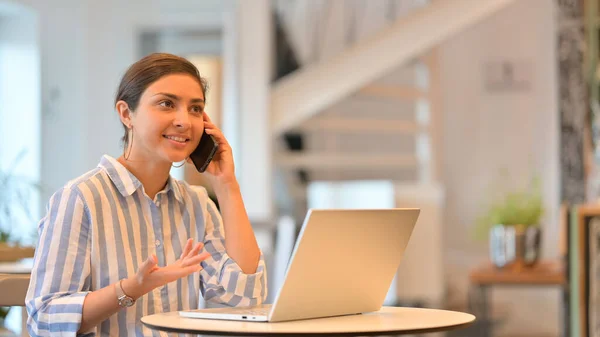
(168,123)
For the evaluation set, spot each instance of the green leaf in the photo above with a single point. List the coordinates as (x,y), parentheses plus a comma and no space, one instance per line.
(514,208)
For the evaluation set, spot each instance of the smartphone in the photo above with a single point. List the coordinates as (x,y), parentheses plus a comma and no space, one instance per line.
(204,153)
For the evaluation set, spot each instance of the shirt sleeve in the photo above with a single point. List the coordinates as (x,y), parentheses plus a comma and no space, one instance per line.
(60,278)
(223,281)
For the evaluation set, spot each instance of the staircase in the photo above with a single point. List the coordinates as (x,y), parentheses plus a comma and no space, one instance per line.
(365,106)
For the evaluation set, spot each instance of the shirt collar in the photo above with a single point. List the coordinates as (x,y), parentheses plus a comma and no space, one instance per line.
(127,183)
(173,185)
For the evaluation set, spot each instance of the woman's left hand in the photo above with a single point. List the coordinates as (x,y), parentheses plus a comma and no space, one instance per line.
(221,167)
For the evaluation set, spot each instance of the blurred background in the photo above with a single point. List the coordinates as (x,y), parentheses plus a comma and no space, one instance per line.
(483,113)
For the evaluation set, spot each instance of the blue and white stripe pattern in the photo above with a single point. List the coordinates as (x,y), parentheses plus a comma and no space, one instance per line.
(101,227)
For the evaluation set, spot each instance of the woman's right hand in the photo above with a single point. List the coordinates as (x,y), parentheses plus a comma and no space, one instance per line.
(149,276)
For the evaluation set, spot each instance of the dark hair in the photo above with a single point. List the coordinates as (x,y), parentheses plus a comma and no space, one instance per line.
(148,70)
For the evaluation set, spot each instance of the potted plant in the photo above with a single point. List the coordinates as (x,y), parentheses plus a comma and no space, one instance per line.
(512,224)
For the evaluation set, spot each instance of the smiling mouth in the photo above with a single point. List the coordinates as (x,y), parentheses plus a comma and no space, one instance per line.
(177,139)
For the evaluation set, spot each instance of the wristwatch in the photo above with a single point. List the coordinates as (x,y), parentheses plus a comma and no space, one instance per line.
(124,300)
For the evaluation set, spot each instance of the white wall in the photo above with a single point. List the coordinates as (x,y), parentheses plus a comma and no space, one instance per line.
(485,132)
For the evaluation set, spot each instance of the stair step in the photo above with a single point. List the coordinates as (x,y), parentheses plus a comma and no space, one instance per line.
(361,125)
(341,161)
(393,92)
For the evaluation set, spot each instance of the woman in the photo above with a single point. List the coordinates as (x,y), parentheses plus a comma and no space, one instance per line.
(118,242)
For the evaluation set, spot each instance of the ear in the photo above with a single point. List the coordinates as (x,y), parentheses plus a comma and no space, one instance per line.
(124,113)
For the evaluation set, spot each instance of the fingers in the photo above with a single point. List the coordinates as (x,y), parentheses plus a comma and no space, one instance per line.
(195,260)
(213,130)
(187,248)
(208,124)
(188,263)
(190,250)
(219,137)
(191,256)
(173,274)
(196,250)
(182,268)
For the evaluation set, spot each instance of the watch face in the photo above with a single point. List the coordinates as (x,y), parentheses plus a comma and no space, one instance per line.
(126,301)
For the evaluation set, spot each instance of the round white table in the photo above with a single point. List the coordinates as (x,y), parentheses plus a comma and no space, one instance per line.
(389,320)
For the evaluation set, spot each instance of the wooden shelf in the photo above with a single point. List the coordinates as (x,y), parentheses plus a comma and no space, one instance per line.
(543,273)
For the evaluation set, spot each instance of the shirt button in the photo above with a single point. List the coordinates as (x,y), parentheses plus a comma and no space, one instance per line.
(157,243)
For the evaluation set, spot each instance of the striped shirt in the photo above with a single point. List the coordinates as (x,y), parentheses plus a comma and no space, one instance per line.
(100,227)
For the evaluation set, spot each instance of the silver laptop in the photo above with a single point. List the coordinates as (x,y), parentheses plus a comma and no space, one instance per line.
(343,263)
